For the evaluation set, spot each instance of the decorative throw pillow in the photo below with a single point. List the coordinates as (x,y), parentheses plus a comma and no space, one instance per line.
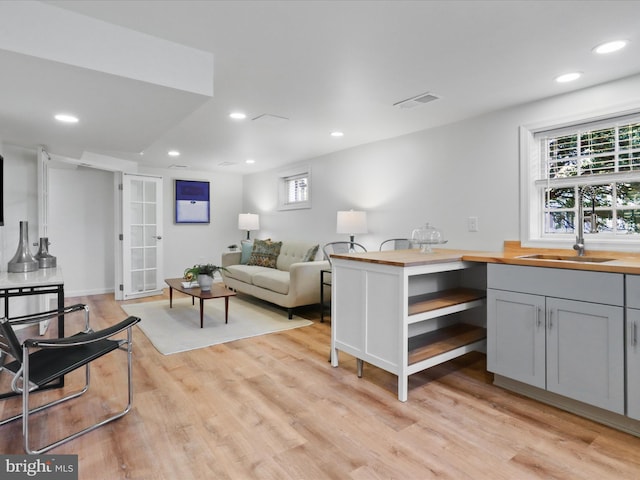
(310,256)
(247,248)
(265,253)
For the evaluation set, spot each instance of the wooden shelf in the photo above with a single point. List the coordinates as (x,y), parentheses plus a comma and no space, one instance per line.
(442,299)
(443,340)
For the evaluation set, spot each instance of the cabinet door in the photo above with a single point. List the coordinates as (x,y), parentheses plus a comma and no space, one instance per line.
(515,336)
(633,363)
(585,352)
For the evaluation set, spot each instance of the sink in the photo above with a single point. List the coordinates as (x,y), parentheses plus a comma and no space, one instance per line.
(568,258)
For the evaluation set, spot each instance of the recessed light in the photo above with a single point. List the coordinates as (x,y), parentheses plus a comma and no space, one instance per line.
(337,134)
(66,118)
(250,160)
(568,77)
(173,153)
(610,47)
(238,115)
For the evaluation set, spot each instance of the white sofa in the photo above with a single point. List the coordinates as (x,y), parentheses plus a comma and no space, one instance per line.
(293,283)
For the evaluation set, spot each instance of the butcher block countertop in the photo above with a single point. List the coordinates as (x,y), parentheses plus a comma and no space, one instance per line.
(512,254)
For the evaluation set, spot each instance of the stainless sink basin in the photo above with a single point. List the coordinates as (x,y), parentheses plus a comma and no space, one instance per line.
(568,258)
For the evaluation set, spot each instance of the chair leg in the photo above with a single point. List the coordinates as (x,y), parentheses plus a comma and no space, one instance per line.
(26,411)
(359,364)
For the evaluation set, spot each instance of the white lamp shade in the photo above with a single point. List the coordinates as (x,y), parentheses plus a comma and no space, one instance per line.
(248,221)
(352,222)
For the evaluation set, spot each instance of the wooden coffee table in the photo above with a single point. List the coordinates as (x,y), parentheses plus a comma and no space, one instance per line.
(217,291)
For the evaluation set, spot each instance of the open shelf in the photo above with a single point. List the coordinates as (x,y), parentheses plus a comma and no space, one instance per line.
(443,299)
(431,344)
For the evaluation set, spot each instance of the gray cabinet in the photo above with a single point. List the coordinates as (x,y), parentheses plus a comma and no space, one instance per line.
(633,346)
(547,328)
(516,336)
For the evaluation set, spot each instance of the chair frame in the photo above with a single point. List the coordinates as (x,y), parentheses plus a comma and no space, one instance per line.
(21,368)
(394,240)
(342,242)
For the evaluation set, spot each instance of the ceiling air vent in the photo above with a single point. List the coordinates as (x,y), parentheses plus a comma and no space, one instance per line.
(416,101)
(226,164)
(269,119)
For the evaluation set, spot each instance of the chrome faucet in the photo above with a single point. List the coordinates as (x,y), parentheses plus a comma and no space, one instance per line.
(579,245)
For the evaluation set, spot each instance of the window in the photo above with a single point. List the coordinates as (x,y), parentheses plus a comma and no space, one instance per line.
(295,189)
(598,161)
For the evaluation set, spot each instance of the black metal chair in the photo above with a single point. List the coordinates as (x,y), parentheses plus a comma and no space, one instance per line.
(341,247)
(41,361)
(395,244)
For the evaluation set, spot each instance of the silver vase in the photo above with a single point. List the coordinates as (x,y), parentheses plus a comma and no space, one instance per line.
(45,260)
(23,260)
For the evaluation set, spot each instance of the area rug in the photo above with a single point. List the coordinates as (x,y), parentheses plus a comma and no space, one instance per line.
(177,329)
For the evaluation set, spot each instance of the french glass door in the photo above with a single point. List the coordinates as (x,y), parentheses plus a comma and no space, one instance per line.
(141,236)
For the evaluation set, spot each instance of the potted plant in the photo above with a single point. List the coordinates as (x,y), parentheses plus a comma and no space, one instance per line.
(203,273)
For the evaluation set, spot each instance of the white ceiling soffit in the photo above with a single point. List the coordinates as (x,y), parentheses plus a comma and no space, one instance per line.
(54,61)
(51,33)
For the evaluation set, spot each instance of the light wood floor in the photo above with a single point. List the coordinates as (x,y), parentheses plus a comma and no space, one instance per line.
(272,407)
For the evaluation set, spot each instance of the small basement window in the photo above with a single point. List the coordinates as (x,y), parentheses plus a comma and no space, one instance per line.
(295,189)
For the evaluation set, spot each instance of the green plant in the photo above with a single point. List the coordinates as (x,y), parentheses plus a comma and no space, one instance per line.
(192,273)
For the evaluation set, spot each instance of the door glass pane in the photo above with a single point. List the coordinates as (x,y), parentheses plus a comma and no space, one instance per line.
(150,213)
(136,213)
(137,187)
(137,236)
(137,281)
(150,236)
(150,192)
(150,257)
(137,259)
(150,279)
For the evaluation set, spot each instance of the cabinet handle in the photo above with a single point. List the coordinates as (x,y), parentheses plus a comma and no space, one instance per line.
(550,315)
(539,320)
(634,334)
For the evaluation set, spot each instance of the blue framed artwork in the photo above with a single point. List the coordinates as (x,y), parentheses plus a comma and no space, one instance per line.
(192,201)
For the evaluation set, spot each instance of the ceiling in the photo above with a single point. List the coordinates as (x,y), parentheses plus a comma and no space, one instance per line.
(322,65)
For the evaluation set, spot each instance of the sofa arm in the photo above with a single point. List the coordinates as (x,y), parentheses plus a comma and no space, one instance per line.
(230,258)
(304,280)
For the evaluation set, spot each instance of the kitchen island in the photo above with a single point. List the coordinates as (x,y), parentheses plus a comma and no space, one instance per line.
(405,311)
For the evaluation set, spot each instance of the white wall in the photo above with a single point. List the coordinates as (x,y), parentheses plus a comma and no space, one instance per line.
(20,203)
(442,175)
(20,200)
(188,244)
(81,228)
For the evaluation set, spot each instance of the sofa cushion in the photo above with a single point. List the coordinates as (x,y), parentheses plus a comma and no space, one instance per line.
(242,273)
(272,279)
(247,248)
(310,256)
(294,252)
(265,253)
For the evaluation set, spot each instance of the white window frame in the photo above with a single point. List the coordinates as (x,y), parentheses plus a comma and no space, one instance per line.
(283,179)
(531,214)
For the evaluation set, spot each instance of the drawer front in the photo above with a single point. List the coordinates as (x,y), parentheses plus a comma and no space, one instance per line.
(586,286)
